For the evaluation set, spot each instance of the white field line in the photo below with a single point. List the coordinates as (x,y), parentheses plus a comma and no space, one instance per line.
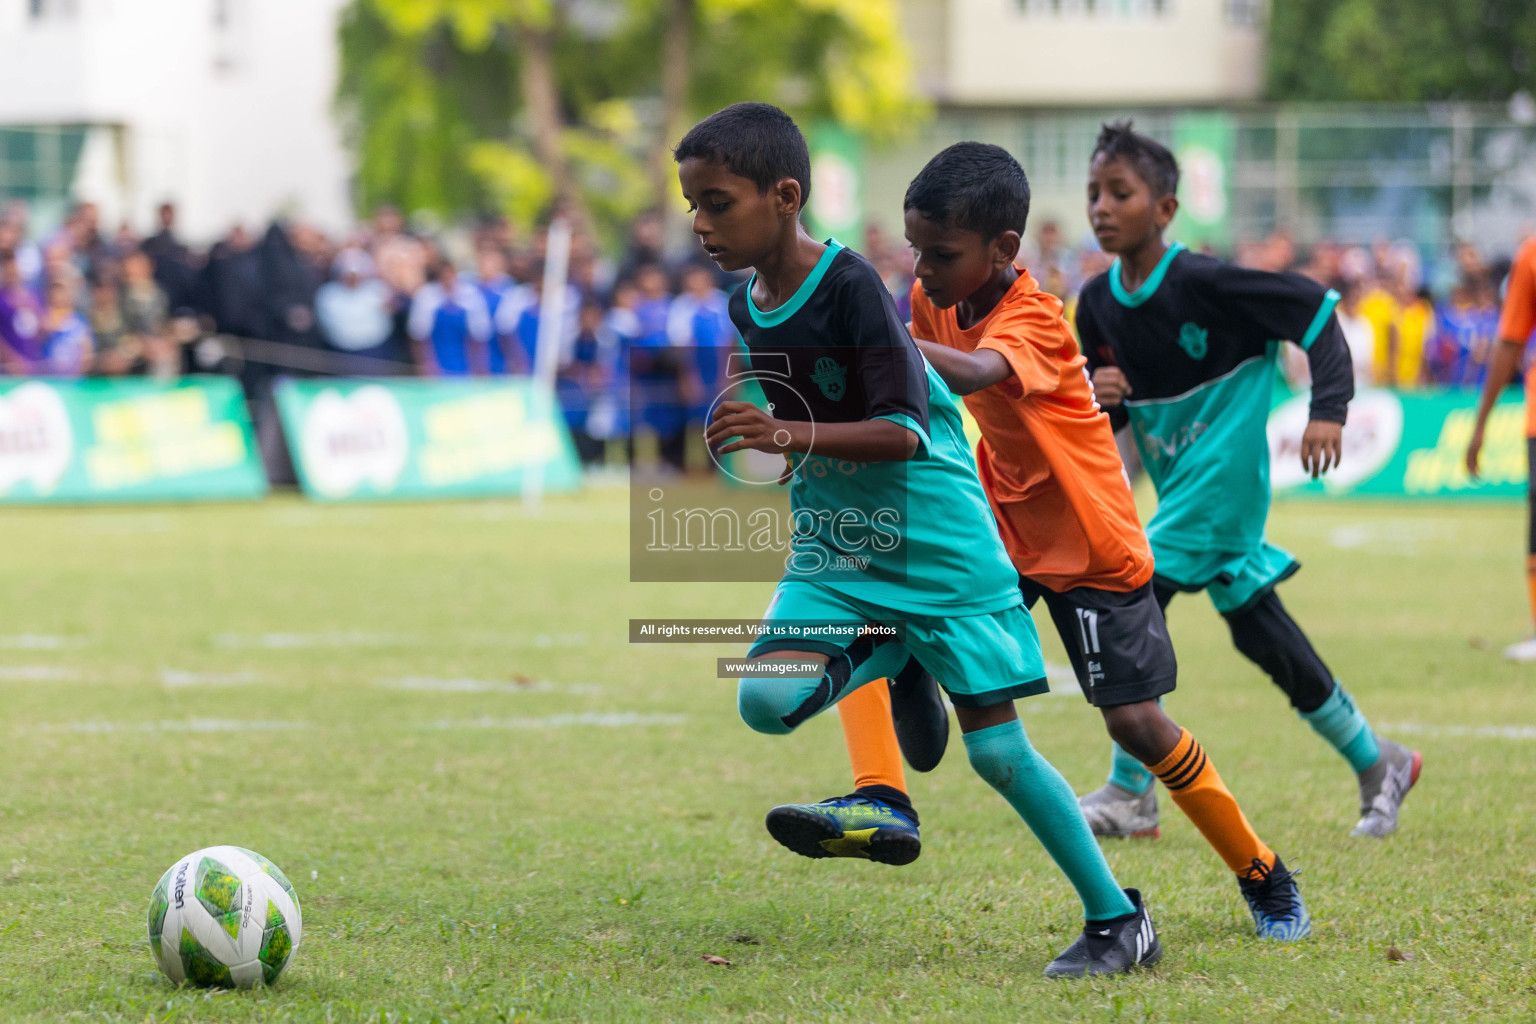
(36,673)
(428,684)
(612,720)
(176,677)
(191,725)
(42,642)
(293,641)
(305,641)
(1493,732)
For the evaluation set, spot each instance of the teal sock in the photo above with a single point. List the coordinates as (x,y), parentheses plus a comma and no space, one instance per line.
(1003,757)
(887,660)
(1340,723)
(1127,772)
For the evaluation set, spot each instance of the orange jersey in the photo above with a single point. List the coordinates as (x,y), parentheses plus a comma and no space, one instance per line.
(1519,319)
(1047,454)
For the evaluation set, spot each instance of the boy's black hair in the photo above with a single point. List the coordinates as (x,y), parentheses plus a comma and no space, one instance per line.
(973,186)
(1150,159)
(755,140)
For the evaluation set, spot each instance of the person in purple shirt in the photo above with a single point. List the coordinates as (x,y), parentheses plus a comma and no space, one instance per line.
(21,318)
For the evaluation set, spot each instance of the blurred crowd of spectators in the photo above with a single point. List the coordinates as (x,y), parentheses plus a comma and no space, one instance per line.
(383,301)
(387,300)
(1402,332)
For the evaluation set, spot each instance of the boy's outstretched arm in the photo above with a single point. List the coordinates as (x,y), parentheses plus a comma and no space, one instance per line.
(966,372)
(1333,385)
(873,440)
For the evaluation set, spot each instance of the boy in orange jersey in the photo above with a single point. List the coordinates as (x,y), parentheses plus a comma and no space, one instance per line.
(1516,327)
(1053,476)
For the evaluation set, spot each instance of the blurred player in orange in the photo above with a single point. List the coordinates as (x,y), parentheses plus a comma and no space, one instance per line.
(1516,326)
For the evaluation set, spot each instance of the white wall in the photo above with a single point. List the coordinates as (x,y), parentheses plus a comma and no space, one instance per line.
(233,122)
(1056,53)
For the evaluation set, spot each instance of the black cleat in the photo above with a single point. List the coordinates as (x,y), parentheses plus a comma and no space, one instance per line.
(921,719)
(1111,947)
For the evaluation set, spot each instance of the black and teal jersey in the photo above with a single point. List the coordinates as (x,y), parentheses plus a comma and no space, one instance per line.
(914,536)
(1197,343)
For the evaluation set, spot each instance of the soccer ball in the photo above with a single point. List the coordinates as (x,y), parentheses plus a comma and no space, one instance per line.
(226,917)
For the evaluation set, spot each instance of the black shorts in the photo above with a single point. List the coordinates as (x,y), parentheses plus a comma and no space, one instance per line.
(1530,495)
(1118,642)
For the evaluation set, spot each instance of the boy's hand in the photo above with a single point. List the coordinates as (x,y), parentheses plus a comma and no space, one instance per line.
(755,427)
(1474,451)
(1110,386)
(1321,446)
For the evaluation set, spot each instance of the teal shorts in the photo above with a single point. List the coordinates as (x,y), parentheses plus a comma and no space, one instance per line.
(1234,582)
(980,660)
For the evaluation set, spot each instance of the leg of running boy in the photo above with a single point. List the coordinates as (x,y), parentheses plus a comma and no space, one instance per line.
(1124,661)
(1265,634)
(1002,651)
(1118,934)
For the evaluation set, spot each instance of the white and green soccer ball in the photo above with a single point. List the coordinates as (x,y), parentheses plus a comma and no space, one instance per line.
(224,917)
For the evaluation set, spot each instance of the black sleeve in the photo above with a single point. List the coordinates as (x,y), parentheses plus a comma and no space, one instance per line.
(1261,306)
(1097,353)
(1333,373)
(886,361)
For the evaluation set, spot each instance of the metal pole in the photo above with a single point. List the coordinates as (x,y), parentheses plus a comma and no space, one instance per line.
(551,337)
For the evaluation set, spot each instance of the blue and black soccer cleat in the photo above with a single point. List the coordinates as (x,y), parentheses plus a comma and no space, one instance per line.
(847,826)
(1278,912)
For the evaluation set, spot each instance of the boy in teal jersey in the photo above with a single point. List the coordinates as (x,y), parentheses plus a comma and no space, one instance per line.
(1184,346)
(883,482)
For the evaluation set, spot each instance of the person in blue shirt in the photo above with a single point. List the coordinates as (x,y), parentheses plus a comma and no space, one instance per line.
(449,325)
(699,323)
(495,285)
(66,342)
(581,381)
(658,368)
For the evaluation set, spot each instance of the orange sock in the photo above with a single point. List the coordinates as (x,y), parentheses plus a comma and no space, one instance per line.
(1197,789)
(871,738)
(1530,583)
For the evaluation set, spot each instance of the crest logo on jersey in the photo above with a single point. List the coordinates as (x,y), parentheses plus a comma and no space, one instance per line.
(1192,339)
(831,377)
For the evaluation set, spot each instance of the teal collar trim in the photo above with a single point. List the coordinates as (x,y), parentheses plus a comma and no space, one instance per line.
(774,317)
(1330,299)
(1149,286)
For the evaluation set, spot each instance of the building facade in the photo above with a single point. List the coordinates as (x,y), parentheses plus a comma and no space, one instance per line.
(223,106)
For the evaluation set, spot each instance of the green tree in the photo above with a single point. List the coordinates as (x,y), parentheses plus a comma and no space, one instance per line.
(453,105)
(1401,50)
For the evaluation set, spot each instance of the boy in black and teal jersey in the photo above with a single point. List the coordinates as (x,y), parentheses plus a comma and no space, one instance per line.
(880,455)
(1184,346)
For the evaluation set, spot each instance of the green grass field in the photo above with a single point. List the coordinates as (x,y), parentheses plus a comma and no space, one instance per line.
(495,809)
